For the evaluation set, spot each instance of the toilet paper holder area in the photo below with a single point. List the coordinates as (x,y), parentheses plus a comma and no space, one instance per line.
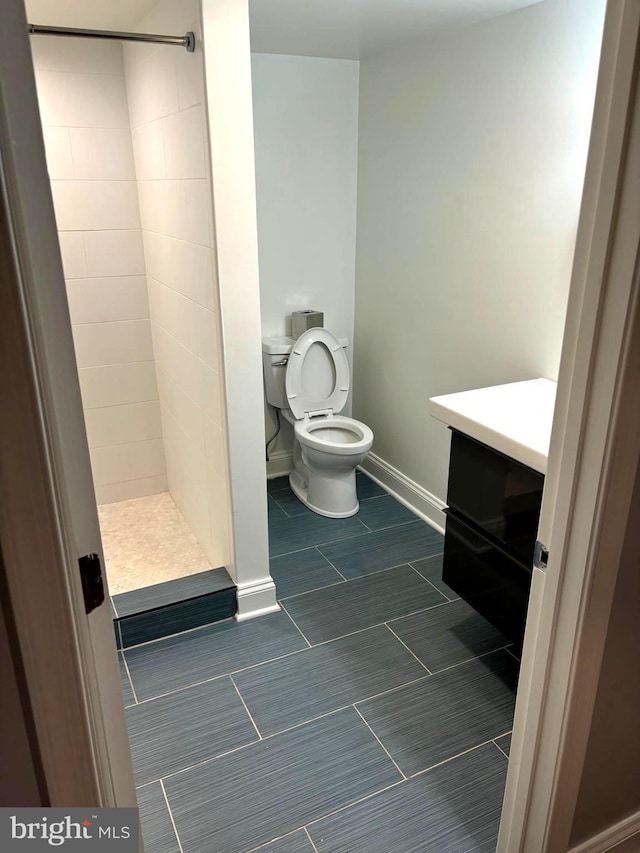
(303,320)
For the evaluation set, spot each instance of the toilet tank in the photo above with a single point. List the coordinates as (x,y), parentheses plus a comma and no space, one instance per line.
(275,353)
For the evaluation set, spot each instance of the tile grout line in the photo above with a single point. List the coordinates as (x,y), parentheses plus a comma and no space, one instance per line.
(299,651)
(315,849)
(133,689)
(286,730)
(508,651)
(281,508)
(451,758)
(332,566)
(295,625)
(500,748)
(422,664)
(356,578)
(379,741)
(173,823)
(240,696)
(468,660)
(411,566)
(316,645)
(355,536)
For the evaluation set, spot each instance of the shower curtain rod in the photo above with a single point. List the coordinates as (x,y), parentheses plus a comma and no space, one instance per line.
(188,40)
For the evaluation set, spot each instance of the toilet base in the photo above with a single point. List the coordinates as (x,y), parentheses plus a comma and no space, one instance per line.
(323,487)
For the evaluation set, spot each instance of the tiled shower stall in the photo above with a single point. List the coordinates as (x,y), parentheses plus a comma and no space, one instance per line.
(126,141)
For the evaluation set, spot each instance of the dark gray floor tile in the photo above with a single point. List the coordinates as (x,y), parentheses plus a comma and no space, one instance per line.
(125,684)
(302,531)
(184,728)
(448,635)
(178,661)
(170,592)
(296,843)
(367,488)
(504,743)
(447,713)
(273,787)
(302,571)
(431,569)
(361,603)
(288,502)
(178,617)
(382,512)
(454,808)
(158,833)
(276,484)
(275,513)
(383,549)
(322,679)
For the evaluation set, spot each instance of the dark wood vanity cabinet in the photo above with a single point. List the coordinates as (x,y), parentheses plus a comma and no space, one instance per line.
(492,521)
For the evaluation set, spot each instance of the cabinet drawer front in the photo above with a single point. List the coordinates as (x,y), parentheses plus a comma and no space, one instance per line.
(487,578)
(498,494)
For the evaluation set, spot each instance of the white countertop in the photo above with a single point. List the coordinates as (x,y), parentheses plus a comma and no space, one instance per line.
(514,419)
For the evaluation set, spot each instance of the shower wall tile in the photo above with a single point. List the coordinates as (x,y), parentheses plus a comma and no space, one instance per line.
(184,144)
(165,94)
(123,424)
(118,384)
(85,114)
(106,299)
(102,153)
(111,253)
(74,259)
(58,150)
(76,55)
(96,205)
(199,217)
(118,342)
(148,151)
(131,489)
(120,462)
(81,100)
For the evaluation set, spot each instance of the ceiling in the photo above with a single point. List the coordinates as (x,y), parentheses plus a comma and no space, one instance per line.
(343,29)
(352,29)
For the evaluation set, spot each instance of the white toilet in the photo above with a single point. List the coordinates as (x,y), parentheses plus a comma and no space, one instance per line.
(308,380)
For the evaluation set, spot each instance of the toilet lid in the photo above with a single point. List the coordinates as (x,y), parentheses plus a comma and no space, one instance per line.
(317,374)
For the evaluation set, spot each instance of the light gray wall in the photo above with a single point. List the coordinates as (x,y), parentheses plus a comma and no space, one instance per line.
(306,144)
(610,785)
(470,168)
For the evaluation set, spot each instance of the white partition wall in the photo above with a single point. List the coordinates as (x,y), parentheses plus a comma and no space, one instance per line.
(228,81)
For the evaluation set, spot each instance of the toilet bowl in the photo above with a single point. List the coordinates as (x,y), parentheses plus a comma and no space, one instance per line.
(327,446)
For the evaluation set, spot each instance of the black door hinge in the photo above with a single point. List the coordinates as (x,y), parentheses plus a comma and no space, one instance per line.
(541,556)
(91,577)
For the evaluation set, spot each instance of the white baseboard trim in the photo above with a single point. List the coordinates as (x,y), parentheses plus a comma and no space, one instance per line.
(256,599)
(611,837)
(403,488)
(280,464)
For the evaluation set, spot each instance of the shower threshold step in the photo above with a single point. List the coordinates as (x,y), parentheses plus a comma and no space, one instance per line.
(177,605)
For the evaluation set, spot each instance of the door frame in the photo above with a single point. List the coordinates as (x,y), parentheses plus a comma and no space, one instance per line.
(71,692)
(593,460)
(79,730)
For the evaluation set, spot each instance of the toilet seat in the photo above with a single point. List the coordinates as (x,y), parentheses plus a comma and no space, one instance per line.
(334,434)
(300,393)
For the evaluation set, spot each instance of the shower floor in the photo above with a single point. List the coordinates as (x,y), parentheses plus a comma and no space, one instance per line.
(146,541)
